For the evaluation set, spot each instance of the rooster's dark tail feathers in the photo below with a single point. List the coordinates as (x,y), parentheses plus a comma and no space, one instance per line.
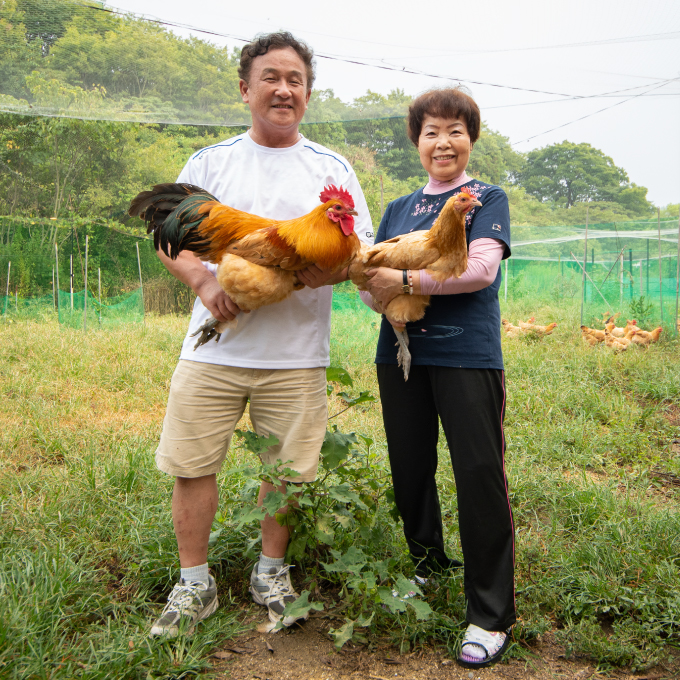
(173,212)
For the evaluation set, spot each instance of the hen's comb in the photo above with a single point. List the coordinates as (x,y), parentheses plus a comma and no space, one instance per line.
(332,192)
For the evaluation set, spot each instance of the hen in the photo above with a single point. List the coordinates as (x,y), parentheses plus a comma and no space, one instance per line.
(257,257)
(644,338)
(442,250)
(592,336)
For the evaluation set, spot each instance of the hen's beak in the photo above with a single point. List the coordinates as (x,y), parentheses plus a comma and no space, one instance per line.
(475,202)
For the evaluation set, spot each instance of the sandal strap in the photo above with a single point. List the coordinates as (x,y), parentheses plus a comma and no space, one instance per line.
(489,641)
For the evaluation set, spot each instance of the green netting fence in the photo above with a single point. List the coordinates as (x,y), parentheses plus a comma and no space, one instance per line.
(71,309)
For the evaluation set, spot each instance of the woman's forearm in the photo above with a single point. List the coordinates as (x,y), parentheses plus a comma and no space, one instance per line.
(484,258)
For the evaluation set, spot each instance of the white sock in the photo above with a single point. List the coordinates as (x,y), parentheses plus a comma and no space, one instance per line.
(266,563)
(199,573)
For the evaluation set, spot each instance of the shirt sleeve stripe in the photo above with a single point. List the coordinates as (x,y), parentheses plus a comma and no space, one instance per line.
(321,153)
(214,146)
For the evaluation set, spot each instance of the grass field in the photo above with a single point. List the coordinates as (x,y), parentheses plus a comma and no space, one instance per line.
(87,548)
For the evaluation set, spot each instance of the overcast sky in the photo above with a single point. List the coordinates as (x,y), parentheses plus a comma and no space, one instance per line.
(578,49)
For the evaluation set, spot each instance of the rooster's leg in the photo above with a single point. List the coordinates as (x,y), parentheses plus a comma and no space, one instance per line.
(403,355)
(212,328)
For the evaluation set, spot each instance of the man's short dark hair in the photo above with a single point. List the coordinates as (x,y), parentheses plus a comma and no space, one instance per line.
(445,103)
(263,43)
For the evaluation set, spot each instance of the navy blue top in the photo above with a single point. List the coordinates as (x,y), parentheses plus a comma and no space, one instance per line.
(461,330)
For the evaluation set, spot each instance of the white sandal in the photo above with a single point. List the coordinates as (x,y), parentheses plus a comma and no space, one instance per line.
(481,648)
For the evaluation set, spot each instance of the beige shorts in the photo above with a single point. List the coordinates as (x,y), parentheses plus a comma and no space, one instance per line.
(206,402)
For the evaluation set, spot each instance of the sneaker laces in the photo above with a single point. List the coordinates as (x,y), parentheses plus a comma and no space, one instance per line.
(489,642)
(278,586)
(184,596)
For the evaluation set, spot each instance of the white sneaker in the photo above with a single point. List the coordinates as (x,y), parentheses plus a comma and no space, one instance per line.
(274,590)
(191,600)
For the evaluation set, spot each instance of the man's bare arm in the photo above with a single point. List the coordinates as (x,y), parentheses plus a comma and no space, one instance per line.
(189,269)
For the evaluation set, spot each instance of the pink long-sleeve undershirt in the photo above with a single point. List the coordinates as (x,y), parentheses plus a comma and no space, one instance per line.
(484,258)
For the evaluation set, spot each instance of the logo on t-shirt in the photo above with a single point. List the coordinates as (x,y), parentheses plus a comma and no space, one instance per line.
(496,227)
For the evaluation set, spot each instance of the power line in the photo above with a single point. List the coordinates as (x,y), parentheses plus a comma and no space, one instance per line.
(331,57)
(589,115)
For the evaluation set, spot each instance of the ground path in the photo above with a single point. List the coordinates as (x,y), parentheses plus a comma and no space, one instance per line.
(307,653)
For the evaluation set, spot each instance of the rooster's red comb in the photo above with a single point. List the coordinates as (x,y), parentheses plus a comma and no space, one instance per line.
(332,192)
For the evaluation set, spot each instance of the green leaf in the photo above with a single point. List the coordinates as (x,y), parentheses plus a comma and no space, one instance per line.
(363,622)
(324,529)
(296,547)
(421,608)
(403,586)
(339,375)
(343,634)
(353,561)
(343,494)
(274,501)
(353,401)
(256,443)
(212,539)
(336,448)
(394,604)
(299,608)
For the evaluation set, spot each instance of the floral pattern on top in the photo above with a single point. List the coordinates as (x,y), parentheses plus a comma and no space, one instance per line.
(430,205)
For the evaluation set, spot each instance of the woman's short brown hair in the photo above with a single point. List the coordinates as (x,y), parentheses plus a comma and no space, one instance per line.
(445,103)
(276,41)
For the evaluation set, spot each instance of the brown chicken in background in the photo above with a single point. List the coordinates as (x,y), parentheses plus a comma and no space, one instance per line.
(617,344)
(257,257)
(592,336)
(441,250)
(511,330)
(645,338)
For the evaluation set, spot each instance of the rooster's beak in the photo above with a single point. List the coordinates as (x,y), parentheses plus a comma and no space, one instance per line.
(352,212)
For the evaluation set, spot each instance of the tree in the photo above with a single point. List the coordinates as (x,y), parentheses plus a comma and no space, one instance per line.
(567,173)
(493,159)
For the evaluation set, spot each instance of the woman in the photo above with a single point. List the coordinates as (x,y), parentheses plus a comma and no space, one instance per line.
(456,376)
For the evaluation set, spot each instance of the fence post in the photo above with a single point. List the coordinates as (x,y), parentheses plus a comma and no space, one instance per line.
(87,244)
(71,275)
(677,282)
(141,285)
(658,224)
(56,266)
(585,262)
(9,267)
(647,273)
(99,294)
(630,270)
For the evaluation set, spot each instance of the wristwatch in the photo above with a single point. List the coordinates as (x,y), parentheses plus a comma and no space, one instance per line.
(405,287)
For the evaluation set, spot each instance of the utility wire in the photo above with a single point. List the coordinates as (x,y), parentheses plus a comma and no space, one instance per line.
(606,108)
(383,67)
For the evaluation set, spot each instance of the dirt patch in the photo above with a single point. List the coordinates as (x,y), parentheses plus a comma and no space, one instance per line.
(307,653)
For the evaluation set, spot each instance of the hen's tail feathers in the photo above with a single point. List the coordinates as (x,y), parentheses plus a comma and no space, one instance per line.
(403,355)
(173,212)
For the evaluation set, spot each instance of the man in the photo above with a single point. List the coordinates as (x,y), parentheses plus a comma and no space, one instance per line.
(276,356)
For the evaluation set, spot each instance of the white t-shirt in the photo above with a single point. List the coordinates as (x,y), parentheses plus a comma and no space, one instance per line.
(279,184)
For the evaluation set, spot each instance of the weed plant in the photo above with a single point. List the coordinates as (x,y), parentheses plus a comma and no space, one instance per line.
(88,551)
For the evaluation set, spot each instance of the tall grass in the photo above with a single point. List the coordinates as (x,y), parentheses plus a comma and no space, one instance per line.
(88,552)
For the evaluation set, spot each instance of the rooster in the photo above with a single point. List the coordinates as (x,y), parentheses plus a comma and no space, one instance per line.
(257,257)
(441,250)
